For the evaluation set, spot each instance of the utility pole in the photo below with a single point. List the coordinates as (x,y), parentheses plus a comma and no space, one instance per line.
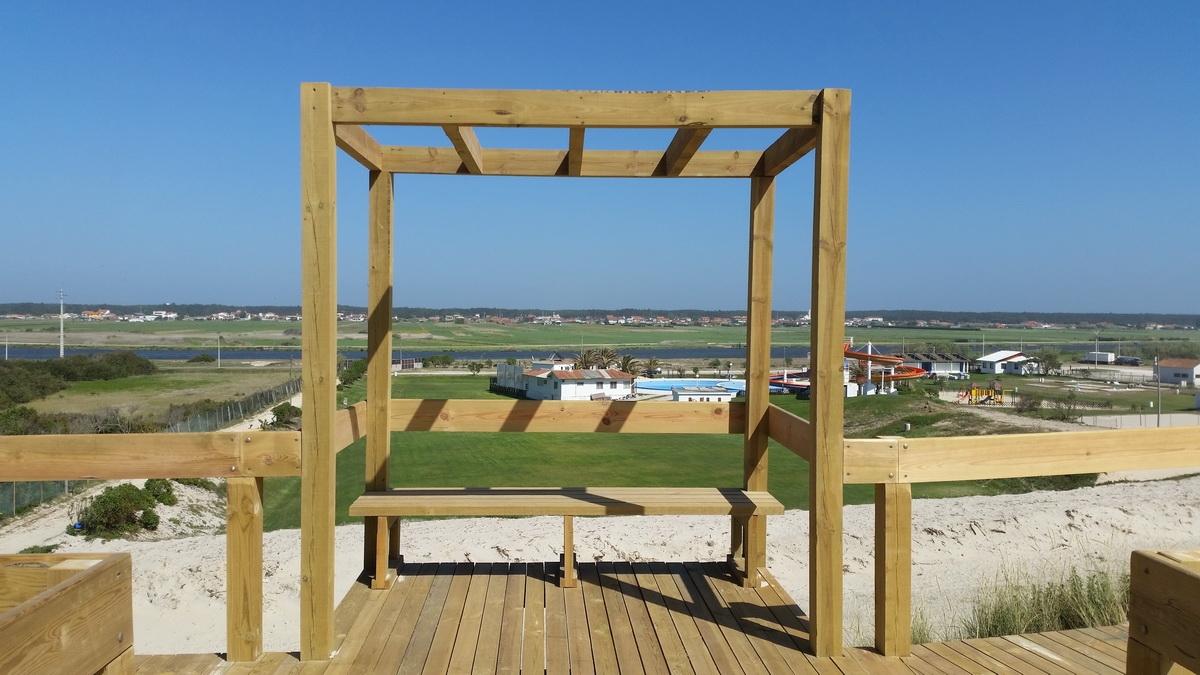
(1158,385)
(61,339)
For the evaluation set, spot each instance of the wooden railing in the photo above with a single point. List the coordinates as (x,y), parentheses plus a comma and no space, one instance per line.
(241,458)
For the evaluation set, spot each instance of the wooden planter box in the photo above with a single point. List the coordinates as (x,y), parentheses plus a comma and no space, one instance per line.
(1164,612)
(66,613)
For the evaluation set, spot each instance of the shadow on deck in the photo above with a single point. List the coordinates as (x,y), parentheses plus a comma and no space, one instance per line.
(622,618)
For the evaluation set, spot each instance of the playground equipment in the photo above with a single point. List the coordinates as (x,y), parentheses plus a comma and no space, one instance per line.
(977,395)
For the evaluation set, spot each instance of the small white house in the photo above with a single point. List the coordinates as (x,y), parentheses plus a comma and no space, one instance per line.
(940,364)
(578,385)
(701,394)
(1179,371)
(994,363)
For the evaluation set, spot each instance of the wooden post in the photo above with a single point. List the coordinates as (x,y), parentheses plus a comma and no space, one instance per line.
(893,568)
(379,370)
(828,331)
(318,194)
(758,360)
(566,577)
(244,568)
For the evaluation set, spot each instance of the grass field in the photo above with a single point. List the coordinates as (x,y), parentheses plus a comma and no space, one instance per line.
(539,459)
(430,336)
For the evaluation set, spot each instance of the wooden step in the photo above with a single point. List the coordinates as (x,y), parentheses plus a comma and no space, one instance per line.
(565,501)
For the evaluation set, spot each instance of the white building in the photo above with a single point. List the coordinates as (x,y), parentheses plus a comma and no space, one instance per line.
(1179,371)
(555,379)
(994,363)
(701,394)
(942,365)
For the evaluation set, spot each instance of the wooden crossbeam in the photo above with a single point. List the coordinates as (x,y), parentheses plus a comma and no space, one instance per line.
(597,109)
(791,146)
(359,144)
(642,417)
(115,456)
(593,163)
(466,144)
(683,146)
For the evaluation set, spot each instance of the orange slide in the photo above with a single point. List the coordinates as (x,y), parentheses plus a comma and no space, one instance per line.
(901,372)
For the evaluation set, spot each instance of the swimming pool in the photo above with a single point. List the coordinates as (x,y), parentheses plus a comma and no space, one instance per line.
(667,384)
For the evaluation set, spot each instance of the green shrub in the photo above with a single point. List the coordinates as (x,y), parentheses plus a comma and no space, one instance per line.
(149,519)
(118,510)
(202,483)
(286,415)
(162,490)
(41,548)
(202,358)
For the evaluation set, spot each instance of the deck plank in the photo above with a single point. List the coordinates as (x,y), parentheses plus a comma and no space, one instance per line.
(1115,650)
(647,639)
(533,653)
(558,652)
(629,659)
(487,647)
(462,657)
(1035,661)
(604,652)
(992,664)
(947,660)
(703,594)
(508,659)
(396,621)
(792,619)
(699,656)
(445,633)
(1076,656)
(1050,654)
(579,643)
(769,639)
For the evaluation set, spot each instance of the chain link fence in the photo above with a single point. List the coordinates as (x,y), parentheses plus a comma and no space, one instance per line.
(19,497)
(235,411)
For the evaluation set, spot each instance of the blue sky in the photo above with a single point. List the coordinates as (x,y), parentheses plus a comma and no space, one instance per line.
(1004,156)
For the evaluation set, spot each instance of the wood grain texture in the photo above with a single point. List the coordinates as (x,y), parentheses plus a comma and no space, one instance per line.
(359,144)
(318,194)
(553,501)
(592,163)
(349,425)
(218,454)
(598,109)
(1164,609)
(79,625)
(575,151)
(244,569)
(642,417)
(683,147)
(893,569)
(828,331)
(466,144)
(872,461)
(785,151)
(791,431)
(379,362)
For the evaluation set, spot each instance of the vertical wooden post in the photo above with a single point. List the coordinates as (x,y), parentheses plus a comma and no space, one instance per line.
(758,361)
(379,369)
(893,569)
(566,576)
(318,194)
(828,331)
(244,568)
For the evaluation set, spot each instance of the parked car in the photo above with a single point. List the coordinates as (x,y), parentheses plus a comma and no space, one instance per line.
(1128,361)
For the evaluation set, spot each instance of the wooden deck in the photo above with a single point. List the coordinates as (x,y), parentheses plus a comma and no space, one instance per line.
(623,618)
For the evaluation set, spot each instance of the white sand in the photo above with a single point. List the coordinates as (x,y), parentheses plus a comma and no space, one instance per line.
(958,544)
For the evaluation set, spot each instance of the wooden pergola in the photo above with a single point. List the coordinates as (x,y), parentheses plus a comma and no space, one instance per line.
(335,118)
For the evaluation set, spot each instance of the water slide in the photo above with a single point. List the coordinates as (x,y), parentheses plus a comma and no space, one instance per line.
(901,372)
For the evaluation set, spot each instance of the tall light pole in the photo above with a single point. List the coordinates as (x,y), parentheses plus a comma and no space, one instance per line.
(61,339)
(218,350)
(1158,386)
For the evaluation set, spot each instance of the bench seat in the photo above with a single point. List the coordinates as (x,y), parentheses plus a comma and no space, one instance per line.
(566,501)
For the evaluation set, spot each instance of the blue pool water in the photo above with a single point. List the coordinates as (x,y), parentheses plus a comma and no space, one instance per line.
(668,384)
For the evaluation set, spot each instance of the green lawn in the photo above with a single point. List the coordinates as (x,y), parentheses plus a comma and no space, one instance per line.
(541,459)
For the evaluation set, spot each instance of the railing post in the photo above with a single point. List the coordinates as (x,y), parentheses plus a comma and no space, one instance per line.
(379,370)
(244,568)
(893,569)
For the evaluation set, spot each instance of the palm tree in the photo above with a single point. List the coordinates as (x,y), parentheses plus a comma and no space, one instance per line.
(585,359)
(652,364)
(628,364)
(606,357)
(680,370)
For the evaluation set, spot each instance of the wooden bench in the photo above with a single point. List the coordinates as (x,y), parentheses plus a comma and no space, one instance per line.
(566,502)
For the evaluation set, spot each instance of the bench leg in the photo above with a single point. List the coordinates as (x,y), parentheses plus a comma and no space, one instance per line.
(566,569)
(383,576)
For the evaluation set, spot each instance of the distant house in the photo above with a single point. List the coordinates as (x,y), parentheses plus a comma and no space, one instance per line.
(556,379)
(1179,371)
(1009,362)
(702,394)
(940,364)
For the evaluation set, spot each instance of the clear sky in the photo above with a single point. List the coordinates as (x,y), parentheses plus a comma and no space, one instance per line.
(1020,156)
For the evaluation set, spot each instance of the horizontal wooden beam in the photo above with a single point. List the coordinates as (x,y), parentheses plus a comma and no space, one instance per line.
(356,142)
(349,425)
(786,150)
(929,460)
(115,456)
(790,431)
(597,109)
(466,144)
(683,146)
(593,163)
(641,417)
